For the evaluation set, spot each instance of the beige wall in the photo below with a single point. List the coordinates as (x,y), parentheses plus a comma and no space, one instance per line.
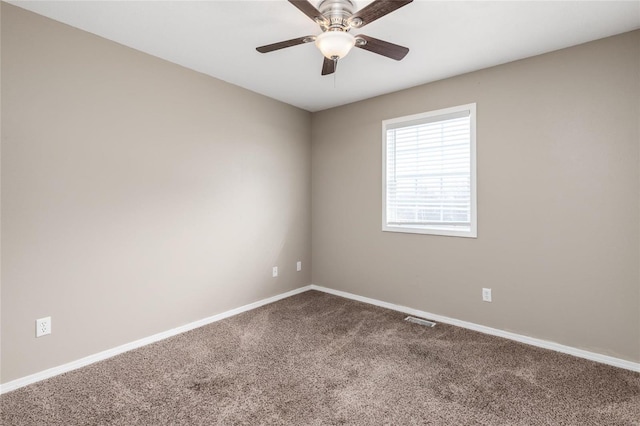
(137,195)
(558,201)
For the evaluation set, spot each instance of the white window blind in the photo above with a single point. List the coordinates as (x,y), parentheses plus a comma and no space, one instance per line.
(429,182)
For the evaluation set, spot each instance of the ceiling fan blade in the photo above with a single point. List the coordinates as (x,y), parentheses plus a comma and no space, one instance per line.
(329,66)
(310,10)
(382,47)
(288,43)
(376,9)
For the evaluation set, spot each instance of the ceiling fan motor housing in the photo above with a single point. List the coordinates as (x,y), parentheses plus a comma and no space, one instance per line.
(337,13)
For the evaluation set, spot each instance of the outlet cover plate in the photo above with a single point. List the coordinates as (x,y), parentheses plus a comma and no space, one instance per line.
(43,326)
(299,266)
(275,271)
(486,295)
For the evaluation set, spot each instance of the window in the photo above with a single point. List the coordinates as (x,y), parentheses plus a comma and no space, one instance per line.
(429,173)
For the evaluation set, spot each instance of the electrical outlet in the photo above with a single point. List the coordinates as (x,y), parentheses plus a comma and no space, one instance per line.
(275,271)
(43,326)
(299,266)
(486,295)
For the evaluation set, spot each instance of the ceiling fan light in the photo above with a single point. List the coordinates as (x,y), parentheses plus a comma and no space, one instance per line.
(335,44)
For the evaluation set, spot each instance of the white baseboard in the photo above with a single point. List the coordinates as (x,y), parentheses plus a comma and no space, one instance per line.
(51,372)
(42,375)
(580,353)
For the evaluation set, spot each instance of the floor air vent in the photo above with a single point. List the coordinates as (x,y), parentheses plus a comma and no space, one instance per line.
(420,321)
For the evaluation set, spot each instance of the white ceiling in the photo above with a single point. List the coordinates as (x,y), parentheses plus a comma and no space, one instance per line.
(446,38)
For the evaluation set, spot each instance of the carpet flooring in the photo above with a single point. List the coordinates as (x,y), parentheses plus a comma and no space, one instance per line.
(318,359)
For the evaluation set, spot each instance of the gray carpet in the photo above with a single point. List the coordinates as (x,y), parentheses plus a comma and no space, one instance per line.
(317,359)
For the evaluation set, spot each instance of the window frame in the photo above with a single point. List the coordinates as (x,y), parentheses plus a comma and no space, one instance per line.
(426,229)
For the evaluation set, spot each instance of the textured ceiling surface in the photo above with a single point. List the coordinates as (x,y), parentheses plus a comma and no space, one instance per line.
(446,38)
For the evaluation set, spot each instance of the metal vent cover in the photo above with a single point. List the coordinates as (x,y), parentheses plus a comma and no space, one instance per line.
(420,321)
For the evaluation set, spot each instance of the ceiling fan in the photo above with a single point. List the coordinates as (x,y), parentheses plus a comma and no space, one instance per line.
(337,18)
